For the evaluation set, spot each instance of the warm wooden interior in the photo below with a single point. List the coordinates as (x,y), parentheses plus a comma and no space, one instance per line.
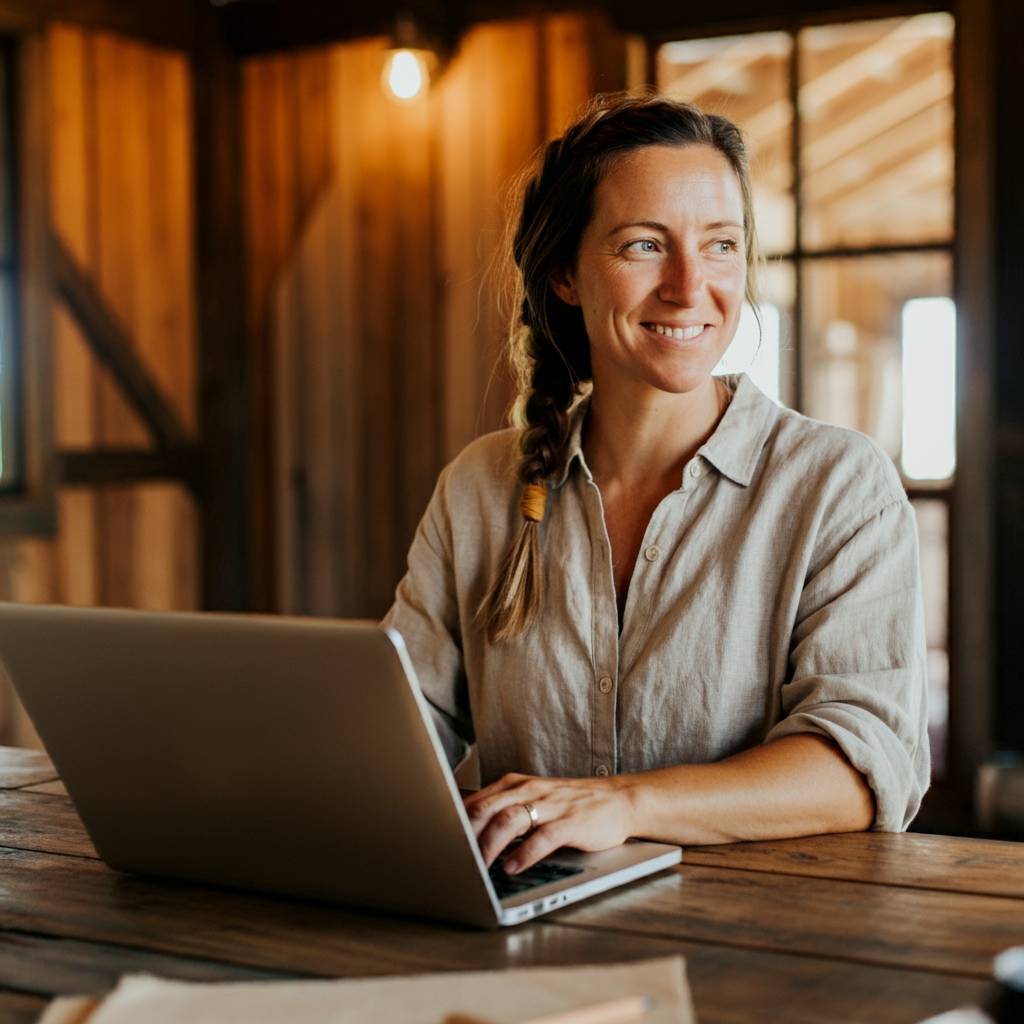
(297,275)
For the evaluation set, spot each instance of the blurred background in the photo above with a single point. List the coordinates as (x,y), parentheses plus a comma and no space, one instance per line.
(249,290)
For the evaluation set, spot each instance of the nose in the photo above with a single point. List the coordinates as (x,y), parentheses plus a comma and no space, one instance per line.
(683,281)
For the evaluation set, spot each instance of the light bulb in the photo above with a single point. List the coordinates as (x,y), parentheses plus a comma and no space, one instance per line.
(405,74)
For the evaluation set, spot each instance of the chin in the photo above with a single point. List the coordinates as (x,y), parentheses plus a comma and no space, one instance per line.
(679,383)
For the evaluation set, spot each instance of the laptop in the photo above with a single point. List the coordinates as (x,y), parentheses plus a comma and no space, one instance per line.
(293,756)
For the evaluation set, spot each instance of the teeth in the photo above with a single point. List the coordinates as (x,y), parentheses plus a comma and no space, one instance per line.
(678,333)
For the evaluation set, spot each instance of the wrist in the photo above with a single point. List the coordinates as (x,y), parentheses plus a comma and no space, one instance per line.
(630,791)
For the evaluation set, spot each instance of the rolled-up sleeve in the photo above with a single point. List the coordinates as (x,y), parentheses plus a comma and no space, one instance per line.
(858,661)
(425,612)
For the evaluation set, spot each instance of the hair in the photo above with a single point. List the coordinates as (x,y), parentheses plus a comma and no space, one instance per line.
(548,345)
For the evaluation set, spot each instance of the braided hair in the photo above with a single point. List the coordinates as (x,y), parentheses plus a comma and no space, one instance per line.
(548,346)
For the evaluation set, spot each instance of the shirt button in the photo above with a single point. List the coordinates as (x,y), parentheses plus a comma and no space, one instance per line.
(652,553)
(605,685)
(694,469)
(601,770)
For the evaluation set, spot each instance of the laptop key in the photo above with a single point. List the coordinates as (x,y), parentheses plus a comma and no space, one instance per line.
(540,874)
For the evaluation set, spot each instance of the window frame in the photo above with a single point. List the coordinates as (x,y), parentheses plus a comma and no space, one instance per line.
(28,507)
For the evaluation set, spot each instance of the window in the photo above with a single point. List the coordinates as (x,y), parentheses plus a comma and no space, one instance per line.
(850,134)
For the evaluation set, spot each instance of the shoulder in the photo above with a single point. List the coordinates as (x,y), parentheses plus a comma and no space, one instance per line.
(480,479)
(829,481)
(487,463)
(835,460)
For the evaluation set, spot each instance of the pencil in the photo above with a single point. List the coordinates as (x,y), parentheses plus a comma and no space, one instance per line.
(615,1011)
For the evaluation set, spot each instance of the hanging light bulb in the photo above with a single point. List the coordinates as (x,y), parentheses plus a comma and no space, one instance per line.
(418,53)
(406,73)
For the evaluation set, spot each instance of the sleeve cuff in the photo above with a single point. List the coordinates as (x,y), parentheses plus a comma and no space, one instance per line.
(897,777)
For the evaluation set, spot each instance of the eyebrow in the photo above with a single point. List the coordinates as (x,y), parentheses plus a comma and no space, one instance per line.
(658,226)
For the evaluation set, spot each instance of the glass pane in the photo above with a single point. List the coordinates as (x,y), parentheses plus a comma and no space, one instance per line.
(933,536)
(765,351)
(853,321)
(928,340)
(746,79)
(876,106)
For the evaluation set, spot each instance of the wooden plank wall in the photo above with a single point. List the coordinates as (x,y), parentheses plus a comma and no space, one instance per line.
(121,199)
(372,230)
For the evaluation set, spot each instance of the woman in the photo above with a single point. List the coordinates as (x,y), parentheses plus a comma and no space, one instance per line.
(700,620)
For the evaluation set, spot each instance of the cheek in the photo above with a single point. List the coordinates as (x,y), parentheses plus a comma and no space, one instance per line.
(731,283)
(611,295)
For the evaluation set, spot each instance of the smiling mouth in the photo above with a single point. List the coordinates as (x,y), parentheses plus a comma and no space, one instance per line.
(676,333)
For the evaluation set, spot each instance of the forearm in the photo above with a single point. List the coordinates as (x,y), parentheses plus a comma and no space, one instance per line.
(794,786)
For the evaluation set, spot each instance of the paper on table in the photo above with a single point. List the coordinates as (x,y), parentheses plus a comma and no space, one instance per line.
(506,997)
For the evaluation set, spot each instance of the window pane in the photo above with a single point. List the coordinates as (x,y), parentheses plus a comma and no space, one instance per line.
(765,351)
(853,328)
(929,389)
(744,78)
(876,103)
(933,537)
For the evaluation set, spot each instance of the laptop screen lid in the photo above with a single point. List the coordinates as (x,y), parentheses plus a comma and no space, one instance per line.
(295,756)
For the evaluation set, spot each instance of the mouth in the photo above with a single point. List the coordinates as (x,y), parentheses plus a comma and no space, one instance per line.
(673,332)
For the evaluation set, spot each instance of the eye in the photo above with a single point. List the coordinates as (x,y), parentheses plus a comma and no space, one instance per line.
(725,246)
(642,245)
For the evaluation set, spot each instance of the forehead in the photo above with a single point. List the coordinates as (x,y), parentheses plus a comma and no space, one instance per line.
(662,182)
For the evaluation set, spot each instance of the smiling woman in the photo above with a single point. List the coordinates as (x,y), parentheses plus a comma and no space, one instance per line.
(660,298)
(688,614)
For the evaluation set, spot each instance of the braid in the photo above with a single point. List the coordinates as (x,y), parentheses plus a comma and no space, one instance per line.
(514,599)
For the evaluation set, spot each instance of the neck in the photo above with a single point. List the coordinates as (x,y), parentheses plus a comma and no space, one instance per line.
(643,442)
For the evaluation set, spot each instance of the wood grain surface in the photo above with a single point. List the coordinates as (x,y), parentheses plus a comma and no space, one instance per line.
(948,863)
(54,788)
(823,929)
(47,824)
(922,929)
(53,966)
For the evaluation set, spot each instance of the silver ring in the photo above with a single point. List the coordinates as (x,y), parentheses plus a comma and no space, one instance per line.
(532,812)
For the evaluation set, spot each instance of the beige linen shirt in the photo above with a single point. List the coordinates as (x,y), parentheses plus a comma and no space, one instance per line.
(777,591)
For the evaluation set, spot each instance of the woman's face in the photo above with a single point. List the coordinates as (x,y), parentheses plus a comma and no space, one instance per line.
(661,268)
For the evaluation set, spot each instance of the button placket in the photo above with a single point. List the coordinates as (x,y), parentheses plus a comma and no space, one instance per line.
(605,637)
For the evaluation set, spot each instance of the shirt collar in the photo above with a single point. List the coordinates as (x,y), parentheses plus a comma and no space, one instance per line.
(733,449)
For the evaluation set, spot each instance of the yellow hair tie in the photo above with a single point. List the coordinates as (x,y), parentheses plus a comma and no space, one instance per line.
(531,504)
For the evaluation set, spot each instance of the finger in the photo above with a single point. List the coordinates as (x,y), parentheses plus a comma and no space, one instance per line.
(487,793)
(544,840)
(482,812)
(508,824)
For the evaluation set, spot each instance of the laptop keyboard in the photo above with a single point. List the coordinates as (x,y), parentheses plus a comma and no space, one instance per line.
(539,874)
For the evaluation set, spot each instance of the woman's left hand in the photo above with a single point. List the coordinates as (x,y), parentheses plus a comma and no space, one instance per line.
(586,814)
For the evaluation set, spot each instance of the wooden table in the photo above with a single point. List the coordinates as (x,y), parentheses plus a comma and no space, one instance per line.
(864,927)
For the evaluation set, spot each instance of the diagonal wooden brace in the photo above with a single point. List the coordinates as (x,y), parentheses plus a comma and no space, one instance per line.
(112,345)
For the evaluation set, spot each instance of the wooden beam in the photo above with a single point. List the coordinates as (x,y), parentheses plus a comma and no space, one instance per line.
(168,23)
(273,26)
(1008,376)
(96,467)
(224,419)
(111,344)
(663,20)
